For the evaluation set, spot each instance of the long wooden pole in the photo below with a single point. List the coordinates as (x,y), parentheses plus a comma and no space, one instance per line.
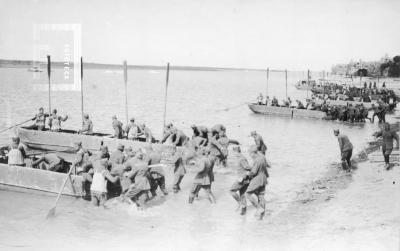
(267,82)
(126,89)
(48,74)
(286,84)
(82,89)
(308,80)
(52,211)
(166,95)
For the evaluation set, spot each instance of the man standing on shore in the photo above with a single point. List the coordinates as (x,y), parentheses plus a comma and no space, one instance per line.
(346,149)
(387,144)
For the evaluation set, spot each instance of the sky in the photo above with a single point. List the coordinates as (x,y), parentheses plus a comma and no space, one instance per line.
(283,34)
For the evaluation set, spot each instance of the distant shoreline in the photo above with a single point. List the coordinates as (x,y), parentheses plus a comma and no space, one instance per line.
(8,63)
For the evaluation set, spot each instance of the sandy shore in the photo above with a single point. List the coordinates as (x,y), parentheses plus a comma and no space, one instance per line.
(347,211)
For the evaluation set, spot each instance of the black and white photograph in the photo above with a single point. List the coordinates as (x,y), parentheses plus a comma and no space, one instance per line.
(200,125)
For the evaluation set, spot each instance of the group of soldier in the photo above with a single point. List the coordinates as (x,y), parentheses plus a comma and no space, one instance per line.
(348,113)
(388,135)
(135,175)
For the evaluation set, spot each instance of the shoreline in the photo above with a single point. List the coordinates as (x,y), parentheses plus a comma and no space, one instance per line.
(316,206)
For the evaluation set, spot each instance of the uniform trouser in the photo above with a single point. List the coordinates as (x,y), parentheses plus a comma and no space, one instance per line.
(241,188)
(346,158)
(177,182)
(386,153)
(196,189)
(35,127)
(373,116)
(57,167)
(98,198)
(155,183)
(86,182)
(138,195)
(259,193)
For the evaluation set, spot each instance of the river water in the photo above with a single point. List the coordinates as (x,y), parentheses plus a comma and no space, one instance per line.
(300,151)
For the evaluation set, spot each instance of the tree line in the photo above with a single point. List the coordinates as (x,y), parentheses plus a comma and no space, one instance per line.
(385,67)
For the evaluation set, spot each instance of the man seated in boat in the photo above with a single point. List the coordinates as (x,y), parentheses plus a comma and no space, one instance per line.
(286,102)
(147,133)
(87,125)
(55,121)
(132,130)
(260,99)
(117,126)
(311,105)
(299,104)
(40,120)
(274,101)
(167,132)
(50,162)
(16,153)
(267,100)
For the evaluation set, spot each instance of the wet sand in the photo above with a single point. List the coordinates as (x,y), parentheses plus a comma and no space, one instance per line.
(340,211)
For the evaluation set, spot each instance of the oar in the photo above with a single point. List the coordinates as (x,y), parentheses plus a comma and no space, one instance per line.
(52,211)
(15,125)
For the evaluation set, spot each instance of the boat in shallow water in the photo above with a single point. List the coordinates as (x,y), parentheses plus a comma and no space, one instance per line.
(286,111)
(27,178)
(63,141)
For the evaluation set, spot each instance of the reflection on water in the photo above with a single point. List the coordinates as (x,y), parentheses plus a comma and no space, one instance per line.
(299,151)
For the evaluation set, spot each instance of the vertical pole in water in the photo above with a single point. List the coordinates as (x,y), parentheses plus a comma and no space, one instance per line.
(82,88)
(308,81)
(126,90)
(267,82)
(165,98)
(48,74)
(286,82)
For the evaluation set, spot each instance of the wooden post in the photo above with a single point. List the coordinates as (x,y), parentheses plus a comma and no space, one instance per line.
(165,97)
(267,83)
(82,89)
(308,81)
(286,84)
(126,89)
(48,74)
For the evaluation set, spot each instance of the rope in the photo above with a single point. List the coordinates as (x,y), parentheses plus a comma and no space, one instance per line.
(231,107)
